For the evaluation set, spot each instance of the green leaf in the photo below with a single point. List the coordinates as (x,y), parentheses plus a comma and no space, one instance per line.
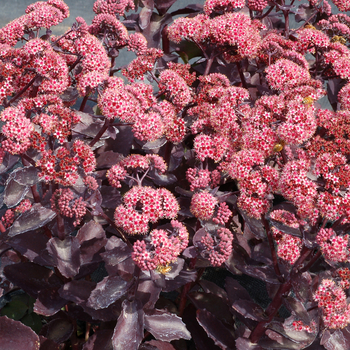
(15,309)
(33,321)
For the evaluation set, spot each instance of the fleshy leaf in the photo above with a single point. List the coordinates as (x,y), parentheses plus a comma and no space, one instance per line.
(59,330)
(246,344)
(32,245)
(14,335)
(156,345)
(32,278)
(101,340)
(128,333)
(213,304)
(26,176)
(216,330)
(14,192)
(249,309)
(66,255)
(77,291)
(37,216)
(92,239)
(110,289)
(165,326)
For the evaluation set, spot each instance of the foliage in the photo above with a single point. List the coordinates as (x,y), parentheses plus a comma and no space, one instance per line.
(223,146)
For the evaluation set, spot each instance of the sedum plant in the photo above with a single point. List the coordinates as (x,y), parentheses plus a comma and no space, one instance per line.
(221,148)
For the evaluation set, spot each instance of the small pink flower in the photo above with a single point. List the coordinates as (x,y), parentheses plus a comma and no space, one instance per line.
(203,205)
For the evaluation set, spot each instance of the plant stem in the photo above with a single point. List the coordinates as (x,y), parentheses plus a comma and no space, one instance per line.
(209,64)
(83,103)
(272,248)
(101,132)
(241,75)
(276,303)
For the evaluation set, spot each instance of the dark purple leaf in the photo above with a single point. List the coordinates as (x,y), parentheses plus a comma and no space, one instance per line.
(210,287)
(77,291)
(216,330)
(333,88)
(14,192)
(8,162)
(32,245)
(190,252)
(264,273)
(198,334)
(59,330)
(162,179)
(91,230)
(107,292)
(37,216)
(213,304)
(128,333)
(108,159)
(334,340)
(92,239)
(304,12)
(116,252)
(245,344)
(89,126)
(154,144)
(70,94)
(165,326)
(156,345)
(66,255)
(48,344)
(111,197)
(148,293)
(163,5)
(14,335)
(254,225)
(95,203)
(280,342)
(101,340)
(183,278)
(145,17)
(48,302)
(235,290)
(249,309)
(32,278)
(26,176)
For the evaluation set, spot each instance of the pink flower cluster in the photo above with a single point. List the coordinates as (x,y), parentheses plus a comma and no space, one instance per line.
(160,247)
(332,299)
(256,181)
(288,246)
(11,214)
(334,248)
(202,178)
(62,165)
(64,202)
(217,247)
(203,205)
(135,163)
(233,32)
(38,15)
(143,205)
(113,7)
